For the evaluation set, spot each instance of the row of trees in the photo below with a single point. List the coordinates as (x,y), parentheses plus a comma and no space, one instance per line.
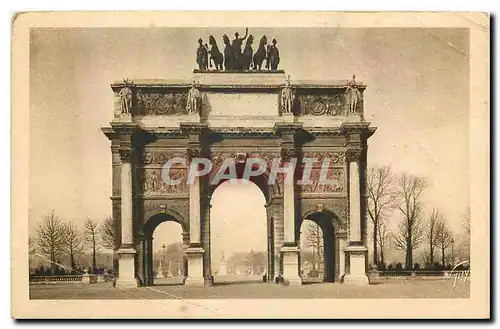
(55,238)
(403,193)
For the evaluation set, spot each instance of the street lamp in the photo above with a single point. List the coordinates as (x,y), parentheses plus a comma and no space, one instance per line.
(452,252)
(163,256)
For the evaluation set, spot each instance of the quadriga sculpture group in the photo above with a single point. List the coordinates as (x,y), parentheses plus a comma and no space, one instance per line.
(234,58)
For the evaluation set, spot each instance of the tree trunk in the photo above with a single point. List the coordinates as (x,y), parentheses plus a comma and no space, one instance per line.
(431,247)
(375,256)
(409,252)
(442,256)
(93,260)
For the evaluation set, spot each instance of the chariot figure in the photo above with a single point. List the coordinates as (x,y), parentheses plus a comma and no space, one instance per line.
(236,45)
(287,98)
(202,56)
(194,100)
(273,56)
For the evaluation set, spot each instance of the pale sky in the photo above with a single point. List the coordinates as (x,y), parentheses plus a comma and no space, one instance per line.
(417,96)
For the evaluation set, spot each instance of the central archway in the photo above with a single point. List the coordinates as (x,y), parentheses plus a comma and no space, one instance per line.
(239,233)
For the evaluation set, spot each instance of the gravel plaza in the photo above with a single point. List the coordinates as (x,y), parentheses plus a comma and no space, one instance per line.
(382,288)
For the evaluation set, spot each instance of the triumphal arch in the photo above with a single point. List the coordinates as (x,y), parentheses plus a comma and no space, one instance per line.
(240,116)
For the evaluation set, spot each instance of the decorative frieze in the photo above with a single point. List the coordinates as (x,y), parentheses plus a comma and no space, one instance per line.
(162,103)
(336,158)
(322,104)
(158,157)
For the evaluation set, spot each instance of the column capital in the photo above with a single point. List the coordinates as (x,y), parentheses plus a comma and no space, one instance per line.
(287,153)
(193,151)
(125,154)
(353,154)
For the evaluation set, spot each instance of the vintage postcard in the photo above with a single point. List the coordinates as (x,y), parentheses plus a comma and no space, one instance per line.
(250,165)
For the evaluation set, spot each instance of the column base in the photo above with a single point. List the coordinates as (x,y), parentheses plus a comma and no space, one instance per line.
(292,281)
(195,267)
(361,279)
(290,256)
(357,265)
(126,284)
(194,282)
(126,268)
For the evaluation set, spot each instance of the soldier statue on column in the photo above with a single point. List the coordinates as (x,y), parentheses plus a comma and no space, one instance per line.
(126,97)
(353,96)
(287,98)
(193,100)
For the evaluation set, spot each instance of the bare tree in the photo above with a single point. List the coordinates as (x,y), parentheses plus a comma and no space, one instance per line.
(444,237)
(72,242)
(382,238)
(107,232)
(410,231)
(31,249)
(314,240)
(380,199)
(91,238)
(466,235)
(50,238)
(431,233)
(466,220)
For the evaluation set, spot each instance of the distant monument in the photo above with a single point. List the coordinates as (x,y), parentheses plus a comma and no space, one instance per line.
(222,266)
(159,271)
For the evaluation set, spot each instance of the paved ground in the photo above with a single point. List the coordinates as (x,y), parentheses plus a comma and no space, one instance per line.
(392,288)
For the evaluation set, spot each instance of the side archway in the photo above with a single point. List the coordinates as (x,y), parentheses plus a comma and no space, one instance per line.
(147,250)
(325,225)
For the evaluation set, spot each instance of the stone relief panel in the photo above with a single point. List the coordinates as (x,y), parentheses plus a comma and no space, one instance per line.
(336,182)
(322,104)
(161,103)
(154,183)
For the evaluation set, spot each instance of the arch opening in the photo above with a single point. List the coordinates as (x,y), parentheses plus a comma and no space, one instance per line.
(164,260)
(239,242)
(318,248)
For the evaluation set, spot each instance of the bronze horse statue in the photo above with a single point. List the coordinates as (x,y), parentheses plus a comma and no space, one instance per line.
(260,54)
(215,55)
(247,54)
(228,53)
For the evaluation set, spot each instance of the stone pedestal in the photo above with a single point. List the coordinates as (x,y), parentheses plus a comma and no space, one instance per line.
(86,278)
(195,267)
(357,265)
(290,256)
(287,117)
(126,265)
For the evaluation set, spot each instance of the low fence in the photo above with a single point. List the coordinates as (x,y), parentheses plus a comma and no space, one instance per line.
(71,279)
(422,274)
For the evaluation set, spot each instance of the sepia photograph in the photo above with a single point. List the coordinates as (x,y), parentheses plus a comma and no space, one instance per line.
(210,163)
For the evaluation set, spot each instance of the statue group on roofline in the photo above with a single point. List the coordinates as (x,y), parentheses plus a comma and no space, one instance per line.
(234,58)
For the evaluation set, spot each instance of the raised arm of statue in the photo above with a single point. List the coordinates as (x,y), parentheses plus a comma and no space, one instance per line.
(246,34)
